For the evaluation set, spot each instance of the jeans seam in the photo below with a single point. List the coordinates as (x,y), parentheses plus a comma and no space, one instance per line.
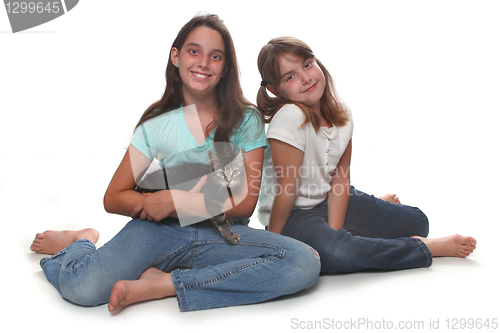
(384,241)
(192,245)
(426,250)
(227,274)
(195,247)
(180,290)
(62,252)
(196,244)
(280,255)
(277,248)
(55,256)
(174,253)
(363,232)
(44,260)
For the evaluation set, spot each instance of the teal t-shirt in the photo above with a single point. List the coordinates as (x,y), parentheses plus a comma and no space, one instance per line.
(168,139)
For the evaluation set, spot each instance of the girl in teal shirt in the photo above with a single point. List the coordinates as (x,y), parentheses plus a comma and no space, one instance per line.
(153,256)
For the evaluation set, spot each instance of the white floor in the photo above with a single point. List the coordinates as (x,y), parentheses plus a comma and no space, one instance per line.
(421,79)
(450,288)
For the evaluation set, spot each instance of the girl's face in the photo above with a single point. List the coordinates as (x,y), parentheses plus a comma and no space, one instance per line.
(301,81)
(200,63)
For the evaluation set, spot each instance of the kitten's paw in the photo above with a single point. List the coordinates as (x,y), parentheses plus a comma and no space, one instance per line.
(235,238)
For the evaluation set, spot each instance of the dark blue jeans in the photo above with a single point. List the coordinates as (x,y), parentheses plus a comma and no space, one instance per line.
(376,235)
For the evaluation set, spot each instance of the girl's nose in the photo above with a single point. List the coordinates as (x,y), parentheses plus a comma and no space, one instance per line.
(204,61)
(305,79)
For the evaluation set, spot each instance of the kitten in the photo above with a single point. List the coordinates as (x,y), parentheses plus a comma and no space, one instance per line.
(223,175)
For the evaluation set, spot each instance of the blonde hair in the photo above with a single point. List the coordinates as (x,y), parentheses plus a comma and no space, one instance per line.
(331,107)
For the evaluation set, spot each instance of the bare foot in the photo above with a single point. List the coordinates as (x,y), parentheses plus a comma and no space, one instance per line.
(392,198)
(50,241)
(152,284)
(450,246)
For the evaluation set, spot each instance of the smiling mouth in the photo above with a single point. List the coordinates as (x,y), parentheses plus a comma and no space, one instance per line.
(200,75)
(311,88)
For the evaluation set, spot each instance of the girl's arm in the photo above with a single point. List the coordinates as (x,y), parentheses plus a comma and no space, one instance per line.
(246,200)
(338,199)
(161,204)
(120,197)
(287,160)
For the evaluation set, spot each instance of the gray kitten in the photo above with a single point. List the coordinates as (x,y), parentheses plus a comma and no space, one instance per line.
(223,175)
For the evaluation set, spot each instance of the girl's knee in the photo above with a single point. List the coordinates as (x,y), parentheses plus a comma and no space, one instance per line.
(85,292)
(417,222)
(311,263)
(314,267)
(84,297)
(303,267)
(423,228)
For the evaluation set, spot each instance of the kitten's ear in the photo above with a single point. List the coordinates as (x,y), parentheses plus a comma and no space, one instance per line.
(214,160)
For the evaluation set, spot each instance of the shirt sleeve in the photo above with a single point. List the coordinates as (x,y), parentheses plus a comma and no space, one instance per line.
(287,126)
(250,134)
(144,139)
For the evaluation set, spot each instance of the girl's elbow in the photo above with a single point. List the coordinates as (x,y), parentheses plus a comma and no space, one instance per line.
(245,209)
(248,212)
(242,212)
(107,204)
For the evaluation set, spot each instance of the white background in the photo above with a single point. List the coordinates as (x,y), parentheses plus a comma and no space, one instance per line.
(421,78)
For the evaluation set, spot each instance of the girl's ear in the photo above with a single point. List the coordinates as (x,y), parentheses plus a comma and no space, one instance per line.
(174,56)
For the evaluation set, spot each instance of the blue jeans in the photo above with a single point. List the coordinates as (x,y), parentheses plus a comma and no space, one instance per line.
(206,271)
(376,235)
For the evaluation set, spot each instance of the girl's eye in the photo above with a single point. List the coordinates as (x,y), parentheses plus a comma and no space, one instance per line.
(289,77)
(218,57)
(309,63)
(193,52)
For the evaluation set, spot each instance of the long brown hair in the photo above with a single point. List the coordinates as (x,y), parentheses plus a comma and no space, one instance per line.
(331,106)
(230,102)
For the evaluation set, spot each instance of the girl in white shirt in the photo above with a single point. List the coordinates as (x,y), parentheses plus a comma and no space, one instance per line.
(306,192)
